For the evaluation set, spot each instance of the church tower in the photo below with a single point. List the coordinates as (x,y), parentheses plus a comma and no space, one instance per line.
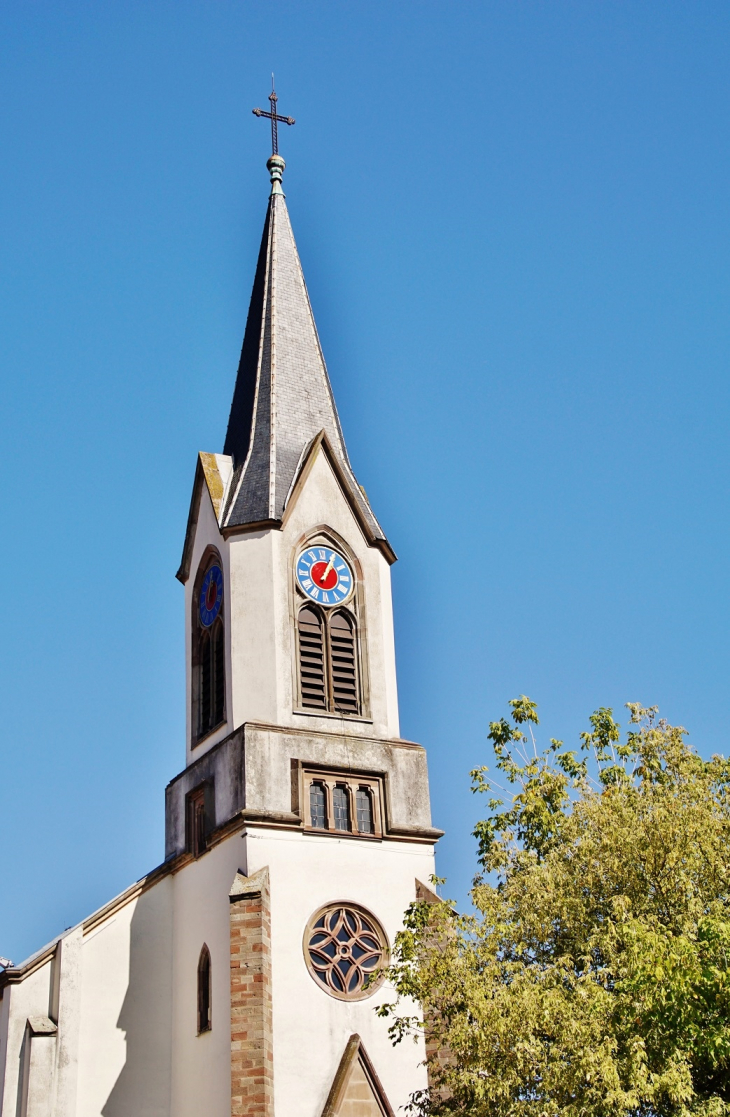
(241,977)
(292,684)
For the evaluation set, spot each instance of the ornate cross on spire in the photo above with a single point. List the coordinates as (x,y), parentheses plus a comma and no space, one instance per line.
(274,117)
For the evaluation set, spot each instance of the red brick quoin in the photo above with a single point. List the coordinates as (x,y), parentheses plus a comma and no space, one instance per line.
(252,1056)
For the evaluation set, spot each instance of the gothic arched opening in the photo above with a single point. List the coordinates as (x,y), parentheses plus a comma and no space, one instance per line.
(209,648)
(204,975)
(328,660)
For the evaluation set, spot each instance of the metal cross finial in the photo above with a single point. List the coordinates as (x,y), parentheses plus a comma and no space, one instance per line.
(274,117)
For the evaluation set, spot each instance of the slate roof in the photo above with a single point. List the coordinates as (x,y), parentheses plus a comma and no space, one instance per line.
(283,398)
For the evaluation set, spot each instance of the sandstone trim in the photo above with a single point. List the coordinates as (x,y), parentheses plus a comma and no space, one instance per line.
(252,1056)
(438,1055)
(356,1090)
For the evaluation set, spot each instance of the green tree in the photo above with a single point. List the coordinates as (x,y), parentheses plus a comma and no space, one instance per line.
(593,976)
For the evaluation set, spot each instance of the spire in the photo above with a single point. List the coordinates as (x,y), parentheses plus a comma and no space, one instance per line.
(283,399)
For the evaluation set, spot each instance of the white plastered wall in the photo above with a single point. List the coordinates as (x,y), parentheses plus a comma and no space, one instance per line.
(263,611)
(201,1070)
(259,614)
(110,990)
(19,1002)
(53,992)
(131,1045)
(128,1021)
(124,1053)
(321,501)
(311,1028)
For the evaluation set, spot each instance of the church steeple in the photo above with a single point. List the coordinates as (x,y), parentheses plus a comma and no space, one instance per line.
(300,827)
(283,398)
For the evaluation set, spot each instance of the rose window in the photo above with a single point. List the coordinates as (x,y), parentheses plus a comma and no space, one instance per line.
(346,951)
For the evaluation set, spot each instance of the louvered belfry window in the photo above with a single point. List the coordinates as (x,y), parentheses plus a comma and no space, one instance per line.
(342,663)
(312,667)
(328,676)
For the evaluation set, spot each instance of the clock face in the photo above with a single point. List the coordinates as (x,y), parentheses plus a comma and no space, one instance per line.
(324,576)
(211,596)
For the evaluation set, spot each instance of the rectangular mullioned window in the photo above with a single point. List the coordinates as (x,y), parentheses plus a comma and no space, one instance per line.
(338,804)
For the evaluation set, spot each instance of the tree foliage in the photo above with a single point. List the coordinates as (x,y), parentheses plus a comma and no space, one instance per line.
(593,976)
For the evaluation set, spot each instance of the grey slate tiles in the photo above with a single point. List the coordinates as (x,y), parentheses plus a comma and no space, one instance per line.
(283,398)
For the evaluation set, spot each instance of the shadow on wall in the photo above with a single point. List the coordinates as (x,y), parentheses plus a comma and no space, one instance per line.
(23,1064)
(143,1086)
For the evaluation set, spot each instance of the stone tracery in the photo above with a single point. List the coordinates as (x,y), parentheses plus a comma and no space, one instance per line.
(346,950)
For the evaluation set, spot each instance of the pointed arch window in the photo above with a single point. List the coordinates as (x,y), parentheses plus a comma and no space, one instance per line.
(209,671)
(204,1019)
(328,667)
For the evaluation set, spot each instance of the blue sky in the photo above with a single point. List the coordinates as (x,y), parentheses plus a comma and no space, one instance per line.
(514,222)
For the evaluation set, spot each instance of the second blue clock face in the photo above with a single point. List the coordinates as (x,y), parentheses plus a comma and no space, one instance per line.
(211,596)
(324,576)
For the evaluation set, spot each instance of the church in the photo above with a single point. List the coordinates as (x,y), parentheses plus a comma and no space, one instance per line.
(241,976)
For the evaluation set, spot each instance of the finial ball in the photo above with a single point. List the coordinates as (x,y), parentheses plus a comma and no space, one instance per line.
(276,167)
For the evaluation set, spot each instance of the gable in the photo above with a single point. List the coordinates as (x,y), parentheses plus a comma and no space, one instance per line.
(212,475)
(356,1089)
(317,454)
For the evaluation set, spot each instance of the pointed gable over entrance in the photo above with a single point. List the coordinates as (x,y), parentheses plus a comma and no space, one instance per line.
(283,399)
(356,1090)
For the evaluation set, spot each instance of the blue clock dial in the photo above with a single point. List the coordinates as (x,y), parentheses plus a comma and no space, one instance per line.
(211,596)
(324,576)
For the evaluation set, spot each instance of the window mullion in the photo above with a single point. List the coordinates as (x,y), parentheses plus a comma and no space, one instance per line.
(375,807)
(330,806)
(327,643)
(352,791)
